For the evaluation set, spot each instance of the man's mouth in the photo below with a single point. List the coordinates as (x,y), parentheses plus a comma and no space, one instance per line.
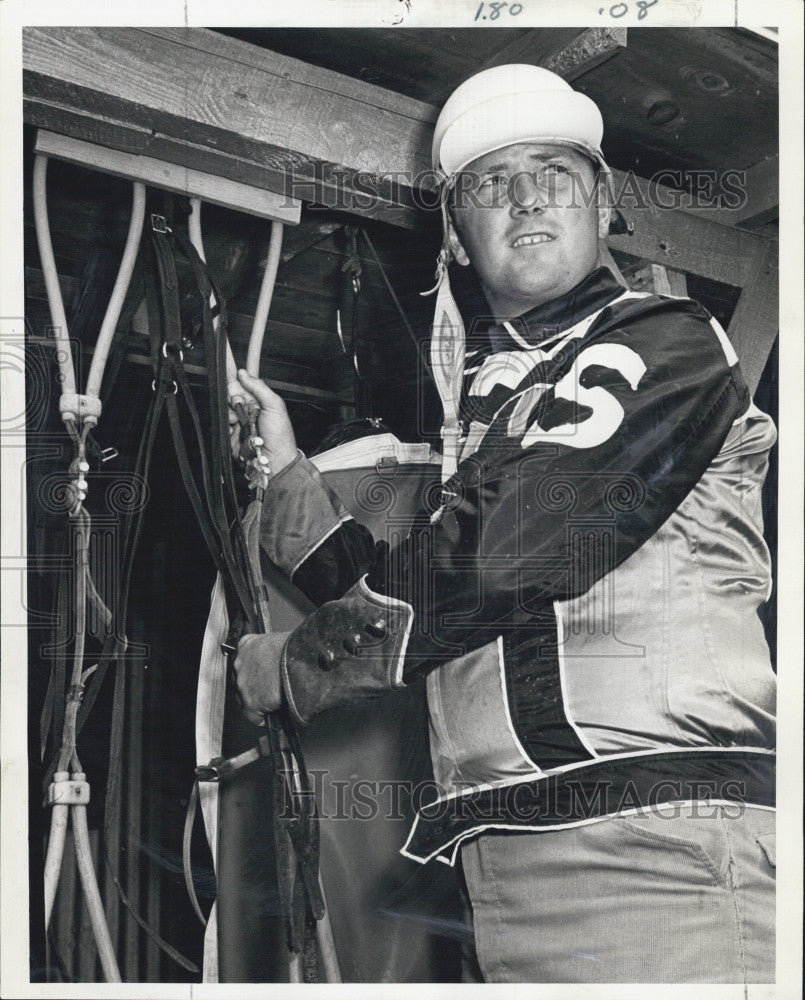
(531,239)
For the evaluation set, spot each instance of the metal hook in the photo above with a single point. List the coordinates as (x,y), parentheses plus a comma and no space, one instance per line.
(174,351)
(175,386)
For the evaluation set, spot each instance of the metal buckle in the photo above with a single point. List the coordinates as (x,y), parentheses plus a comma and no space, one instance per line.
(160,224)
(210,772)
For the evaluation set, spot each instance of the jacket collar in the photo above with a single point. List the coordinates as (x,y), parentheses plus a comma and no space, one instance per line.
(542,323)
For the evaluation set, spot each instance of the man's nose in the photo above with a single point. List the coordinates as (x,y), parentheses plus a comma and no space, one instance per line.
(527,192)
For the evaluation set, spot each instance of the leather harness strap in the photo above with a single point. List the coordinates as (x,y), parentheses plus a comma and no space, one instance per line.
(295,830)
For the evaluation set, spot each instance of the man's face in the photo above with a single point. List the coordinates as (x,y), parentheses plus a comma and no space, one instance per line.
(526,218)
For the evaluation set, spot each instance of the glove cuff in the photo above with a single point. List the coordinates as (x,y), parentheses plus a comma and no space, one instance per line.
(347,650)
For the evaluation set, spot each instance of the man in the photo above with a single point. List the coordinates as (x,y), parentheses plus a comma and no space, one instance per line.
(583,603)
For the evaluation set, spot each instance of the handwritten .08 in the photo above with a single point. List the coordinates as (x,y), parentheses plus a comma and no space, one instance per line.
(622,9)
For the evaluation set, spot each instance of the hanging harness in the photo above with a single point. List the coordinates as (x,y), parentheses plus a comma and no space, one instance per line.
(233,544)
(67,790)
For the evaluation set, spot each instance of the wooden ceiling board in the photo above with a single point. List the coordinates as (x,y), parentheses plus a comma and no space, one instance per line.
(420,63)
(727,114)
(713,75)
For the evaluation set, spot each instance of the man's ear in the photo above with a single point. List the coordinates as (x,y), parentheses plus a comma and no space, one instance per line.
(604,206)
(456,247)
(604,217)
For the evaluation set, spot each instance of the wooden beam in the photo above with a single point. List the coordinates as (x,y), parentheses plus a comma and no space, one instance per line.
(566,51)
(321,132)
(292,71)
(681,240)
(657,279)
(180,180)
(533,46)
(588,50)
(213,84)
(761,187)
(326,184)
(144,142)
(755,322)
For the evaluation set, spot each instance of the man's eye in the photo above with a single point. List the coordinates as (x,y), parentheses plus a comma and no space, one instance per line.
(556,168)
(493,180)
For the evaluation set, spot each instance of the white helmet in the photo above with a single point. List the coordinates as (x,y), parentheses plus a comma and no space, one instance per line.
(493,109)
(514,103)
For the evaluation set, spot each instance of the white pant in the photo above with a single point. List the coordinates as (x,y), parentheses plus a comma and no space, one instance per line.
(643,899)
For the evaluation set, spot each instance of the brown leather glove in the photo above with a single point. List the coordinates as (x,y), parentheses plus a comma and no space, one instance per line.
(345,651)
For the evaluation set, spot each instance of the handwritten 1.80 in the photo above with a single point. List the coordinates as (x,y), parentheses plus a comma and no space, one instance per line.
(621,9)
(496,9)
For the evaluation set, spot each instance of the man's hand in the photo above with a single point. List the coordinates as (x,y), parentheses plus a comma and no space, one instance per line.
(257,668)
(273,424)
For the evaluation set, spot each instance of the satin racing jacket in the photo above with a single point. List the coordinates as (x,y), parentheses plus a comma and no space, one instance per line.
(582,596)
